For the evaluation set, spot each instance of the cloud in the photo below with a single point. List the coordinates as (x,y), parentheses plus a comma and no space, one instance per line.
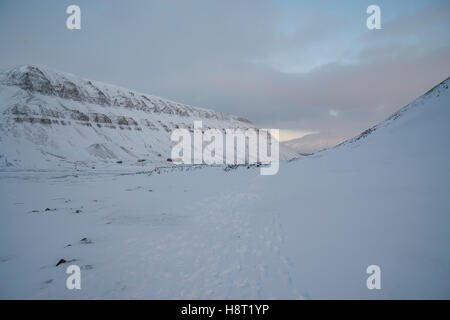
(333,113)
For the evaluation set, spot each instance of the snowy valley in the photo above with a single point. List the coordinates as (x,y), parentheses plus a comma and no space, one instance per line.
(308,232)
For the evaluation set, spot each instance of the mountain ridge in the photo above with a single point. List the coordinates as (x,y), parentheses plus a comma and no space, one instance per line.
(435,91)
(315,143)
(41,79)
(52,118)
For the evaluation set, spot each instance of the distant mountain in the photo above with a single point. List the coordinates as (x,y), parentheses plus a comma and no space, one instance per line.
(312,143)
(55,119)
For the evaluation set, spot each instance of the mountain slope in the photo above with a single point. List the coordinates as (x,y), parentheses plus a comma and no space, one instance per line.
(380,198)
(55,119)
(316,142)
(432,104)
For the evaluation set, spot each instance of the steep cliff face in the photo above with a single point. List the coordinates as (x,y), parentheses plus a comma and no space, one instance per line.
(55,119)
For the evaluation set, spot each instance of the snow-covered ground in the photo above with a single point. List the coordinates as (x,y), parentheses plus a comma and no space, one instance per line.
(308,232)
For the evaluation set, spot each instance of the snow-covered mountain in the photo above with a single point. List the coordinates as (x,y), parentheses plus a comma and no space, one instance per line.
(433,105)
(54,119)
(312,143)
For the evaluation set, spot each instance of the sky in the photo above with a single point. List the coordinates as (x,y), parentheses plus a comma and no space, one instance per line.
(300,66)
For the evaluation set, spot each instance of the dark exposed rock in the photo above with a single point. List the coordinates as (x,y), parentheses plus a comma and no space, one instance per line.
(101,118)
(122,121)
(243,120)
(61,261)
(78,115)
(68,90)
(86,241)
(20,110)
(126,121)
(45,121)
(31,79)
